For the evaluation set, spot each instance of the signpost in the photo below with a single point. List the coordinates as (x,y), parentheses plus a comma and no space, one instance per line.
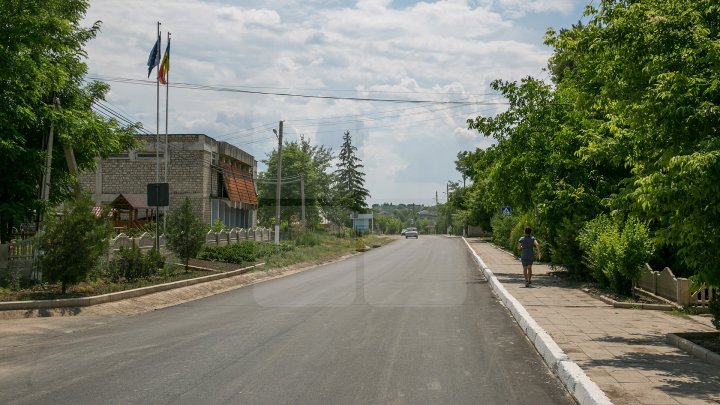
(506,210)
(158,195)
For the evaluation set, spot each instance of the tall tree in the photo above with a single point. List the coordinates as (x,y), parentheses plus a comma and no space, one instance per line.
(350,181)
(41,54)
(298,159)
(647,97)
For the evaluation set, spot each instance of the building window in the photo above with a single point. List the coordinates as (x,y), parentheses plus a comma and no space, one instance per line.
(119,156)
(149,156)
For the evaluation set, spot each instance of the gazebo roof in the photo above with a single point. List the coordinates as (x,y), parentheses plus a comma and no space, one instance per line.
(130,201)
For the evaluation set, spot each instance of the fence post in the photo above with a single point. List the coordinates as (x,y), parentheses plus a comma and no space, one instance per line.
(683,292)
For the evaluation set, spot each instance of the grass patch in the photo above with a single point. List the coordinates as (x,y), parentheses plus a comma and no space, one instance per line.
(309,249)
(51,291)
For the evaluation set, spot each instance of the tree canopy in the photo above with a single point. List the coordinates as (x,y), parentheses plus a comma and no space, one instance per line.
(41,54)
(298,159)
(629,128)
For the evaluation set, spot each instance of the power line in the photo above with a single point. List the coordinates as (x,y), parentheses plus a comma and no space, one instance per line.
(108,78)
(193,86)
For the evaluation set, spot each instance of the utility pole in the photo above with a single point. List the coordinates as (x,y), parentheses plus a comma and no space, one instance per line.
(447,191)
(465,226)
(45,195)
(45,190)
(302,197)
(279,134)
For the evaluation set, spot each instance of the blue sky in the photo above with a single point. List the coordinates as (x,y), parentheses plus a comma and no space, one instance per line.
(411,50)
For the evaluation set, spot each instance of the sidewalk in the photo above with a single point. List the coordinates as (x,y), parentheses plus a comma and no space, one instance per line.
(623,351)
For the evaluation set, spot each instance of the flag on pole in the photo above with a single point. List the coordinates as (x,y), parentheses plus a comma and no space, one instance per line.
(154,58)
(165,65)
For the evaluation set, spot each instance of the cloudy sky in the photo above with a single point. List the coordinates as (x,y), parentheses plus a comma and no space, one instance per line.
(444,51)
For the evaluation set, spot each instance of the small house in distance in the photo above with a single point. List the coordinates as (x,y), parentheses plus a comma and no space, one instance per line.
(216,177)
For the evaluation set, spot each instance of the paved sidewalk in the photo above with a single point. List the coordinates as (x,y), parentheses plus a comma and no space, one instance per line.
(623,351)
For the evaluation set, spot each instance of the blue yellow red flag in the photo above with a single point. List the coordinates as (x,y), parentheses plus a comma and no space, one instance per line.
(164,65)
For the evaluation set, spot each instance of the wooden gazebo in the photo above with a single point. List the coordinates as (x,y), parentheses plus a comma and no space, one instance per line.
(131,211)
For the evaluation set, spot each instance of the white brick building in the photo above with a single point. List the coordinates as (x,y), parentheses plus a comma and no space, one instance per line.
(217,177)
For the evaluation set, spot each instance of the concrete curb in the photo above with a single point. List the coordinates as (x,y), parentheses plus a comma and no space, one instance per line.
(632,305)
(118,296)
(679,340)
(584,390)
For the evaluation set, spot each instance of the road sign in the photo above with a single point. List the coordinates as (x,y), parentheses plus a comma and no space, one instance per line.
(158,195)
(506,210)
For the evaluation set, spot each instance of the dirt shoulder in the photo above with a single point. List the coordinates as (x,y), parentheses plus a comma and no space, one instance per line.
(172,297)
(23,328)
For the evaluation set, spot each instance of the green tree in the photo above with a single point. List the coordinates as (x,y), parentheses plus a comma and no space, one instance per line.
(646,100)
(299,159)
(185,233)
(533,167)
(41,54)
(350,181)
(73,242)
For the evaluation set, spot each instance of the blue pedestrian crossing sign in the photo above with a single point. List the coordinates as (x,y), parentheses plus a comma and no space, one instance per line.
(505,210)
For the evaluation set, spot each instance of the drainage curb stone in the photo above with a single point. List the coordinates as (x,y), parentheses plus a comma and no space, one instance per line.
(584,390)
(117,296)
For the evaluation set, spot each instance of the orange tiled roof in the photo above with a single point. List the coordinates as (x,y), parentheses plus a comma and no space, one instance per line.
(239,185)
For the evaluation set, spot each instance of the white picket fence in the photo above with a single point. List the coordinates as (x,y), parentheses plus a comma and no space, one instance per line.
(677,289)
(20,258)
(222,238)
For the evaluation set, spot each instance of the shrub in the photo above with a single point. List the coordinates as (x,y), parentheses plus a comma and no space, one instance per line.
(308,239)
(714,308)
(73,242)
(217,226)
(565,249)
(244,252)
(616,252)
(502,226)
(185,233)
(131,264)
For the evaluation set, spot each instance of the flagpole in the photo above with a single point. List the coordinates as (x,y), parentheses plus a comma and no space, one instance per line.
(167,103)
(157,145)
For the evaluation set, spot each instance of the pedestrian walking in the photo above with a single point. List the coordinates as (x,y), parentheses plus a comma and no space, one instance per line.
(527,244)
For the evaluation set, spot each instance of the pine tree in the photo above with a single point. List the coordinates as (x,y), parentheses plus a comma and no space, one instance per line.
(350,180)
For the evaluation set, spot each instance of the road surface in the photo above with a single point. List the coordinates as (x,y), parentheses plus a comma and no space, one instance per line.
(412,322)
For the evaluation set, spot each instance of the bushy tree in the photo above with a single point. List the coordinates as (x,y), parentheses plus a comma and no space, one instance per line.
(643,81)
(298,159)
(41,54)
(73,242)
(185,233)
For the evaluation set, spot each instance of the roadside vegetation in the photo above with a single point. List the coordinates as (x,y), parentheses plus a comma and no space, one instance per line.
(616,161)
(93,274)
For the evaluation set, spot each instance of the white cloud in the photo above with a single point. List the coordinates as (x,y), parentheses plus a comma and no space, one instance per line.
(443,50)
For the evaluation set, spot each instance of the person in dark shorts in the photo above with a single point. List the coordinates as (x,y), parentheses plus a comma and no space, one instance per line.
(526,245)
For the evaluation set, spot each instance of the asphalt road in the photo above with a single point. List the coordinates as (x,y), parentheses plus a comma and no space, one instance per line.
(413,322)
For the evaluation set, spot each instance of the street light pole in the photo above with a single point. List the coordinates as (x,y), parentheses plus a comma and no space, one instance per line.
(277,188)
(447,191)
